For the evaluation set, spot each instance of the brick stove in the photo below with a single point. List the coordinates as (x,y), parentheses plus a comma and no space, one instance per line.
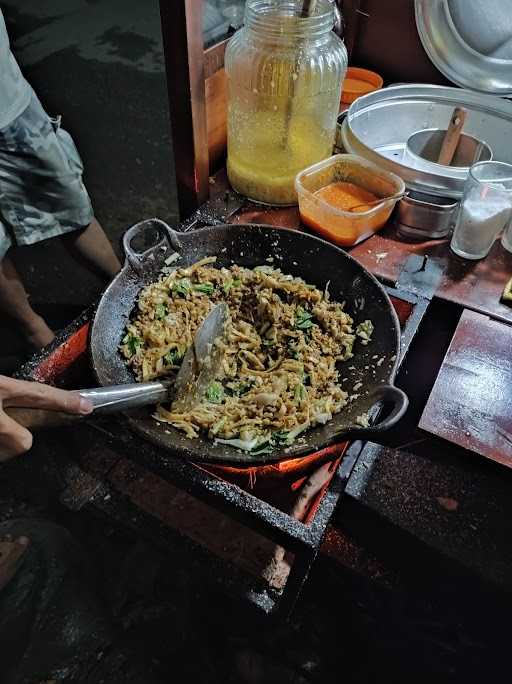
(256,531)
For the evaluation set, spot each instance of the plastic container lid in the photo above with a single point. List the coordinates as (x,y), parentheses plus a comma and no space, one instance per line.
(359,82)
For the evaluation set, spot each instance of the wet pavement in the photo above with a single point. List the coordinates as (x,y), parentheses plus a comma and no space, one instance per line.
(99,64)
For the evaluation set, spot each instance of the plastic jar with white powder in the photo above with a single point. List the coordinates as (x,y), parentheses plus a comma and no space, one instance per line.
(485,209)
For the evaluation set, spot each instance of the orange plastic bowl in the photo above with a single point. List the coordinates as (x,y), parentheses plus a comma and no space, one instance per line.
(359,82)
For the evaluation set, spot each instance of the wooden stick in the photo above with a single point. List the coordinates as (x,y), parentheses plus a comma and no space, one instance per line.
(277,571)
(452,136)
(507,293)
(308,8)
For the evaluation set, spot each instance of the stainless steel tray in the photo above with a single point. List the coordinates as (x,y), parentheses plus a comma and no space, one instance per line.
(378,125)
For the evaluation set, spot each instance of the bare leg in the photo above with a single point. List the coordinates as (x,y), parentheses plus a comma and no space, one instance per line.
(14,302)
(93,247)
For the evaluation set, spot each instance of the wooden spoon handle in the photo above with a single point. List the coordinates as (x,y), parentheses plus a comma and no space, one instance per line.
(452,136)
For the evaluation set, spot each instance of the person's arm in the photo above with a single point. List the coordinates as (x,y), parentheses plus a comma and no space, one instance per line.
(15,439)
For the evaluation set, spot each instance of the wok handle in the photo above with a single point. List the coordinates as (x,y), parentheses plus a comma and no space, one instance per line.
(167,236)
(387,394)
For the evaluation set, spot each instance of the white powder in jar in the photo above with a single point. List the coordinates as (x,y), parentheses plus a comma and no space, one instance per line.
(479,223)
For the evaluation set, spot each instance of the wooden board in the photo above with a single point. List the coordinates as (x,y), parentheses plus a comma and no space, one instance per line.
(476,285)
(471,401)
(216,118)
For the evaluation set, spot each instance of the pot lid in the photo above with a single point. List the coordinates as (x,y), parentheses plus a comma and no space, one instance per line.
(469,41)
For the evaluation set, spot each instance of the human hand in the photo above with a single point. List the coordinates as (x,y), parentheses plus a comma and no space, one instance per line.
(15,439)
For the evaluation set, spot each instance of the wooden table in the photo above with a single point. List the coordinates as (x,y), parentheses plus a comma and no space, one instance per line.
(429,270)
(451,466)
(439,491)
(471,401)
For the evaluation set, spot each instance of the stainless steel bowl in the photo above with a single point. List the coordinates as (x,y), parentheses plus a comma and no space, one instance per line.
(378,125)
(425,217)
(423,147)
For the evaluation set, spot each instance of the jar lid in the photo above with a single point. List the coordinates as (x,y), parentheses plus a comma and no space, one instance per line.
(359,82)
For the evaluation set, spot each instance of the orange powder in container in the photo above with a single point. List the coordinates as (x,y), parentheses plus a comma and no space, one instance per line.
(346,196)
(343,228)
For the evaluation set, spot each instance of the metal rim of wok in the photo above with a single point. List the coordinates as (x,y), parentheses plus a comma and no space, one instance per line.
(250,245)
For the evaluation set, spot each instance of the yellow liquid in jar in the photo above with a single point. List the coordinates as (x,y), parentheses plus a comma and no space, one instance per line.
(271,139)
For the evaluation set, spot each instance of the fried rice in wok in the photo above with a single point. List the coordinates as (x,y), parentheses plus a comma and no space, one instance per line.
(283,349)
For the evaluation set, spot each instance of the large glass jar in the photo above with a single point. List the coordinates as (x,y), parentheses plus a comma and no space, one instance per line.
(285,73)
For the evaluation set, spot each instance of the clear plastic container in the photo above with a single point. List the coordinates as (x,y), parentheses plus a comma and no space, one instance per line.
(346,227)
(285,73)
(506,238)
(485,209)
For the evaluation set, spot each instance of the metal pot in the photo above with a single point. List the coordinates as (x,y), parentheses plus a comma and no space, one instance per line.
(423,147)
(424,217)
(378,125)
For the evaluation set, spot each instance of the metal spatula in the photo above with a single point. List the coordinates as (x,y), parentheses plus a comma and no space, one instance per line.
(200,360)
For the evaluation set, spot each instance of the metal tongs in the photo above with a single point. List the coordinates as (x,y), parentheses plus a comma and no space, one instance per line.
(198,368)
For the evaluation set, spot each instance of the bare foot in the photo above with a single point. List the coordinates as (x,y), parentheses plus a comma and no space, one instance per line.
(39,334)
(11,553)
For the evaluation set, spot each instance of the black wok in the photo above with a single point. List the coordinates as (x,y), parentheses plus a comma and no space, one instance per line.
(250,245)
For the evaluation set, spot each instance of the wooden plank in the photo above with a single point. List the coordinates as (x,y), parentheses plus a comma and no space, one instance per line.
(214,58)
(215,531)
(216,118)
(384,38)
(476,285)
(351,13)
(471,401)
(184,64)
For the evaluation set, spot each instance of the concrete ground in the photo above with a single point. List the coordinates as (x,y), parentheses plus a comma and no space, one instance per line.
(98,63)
